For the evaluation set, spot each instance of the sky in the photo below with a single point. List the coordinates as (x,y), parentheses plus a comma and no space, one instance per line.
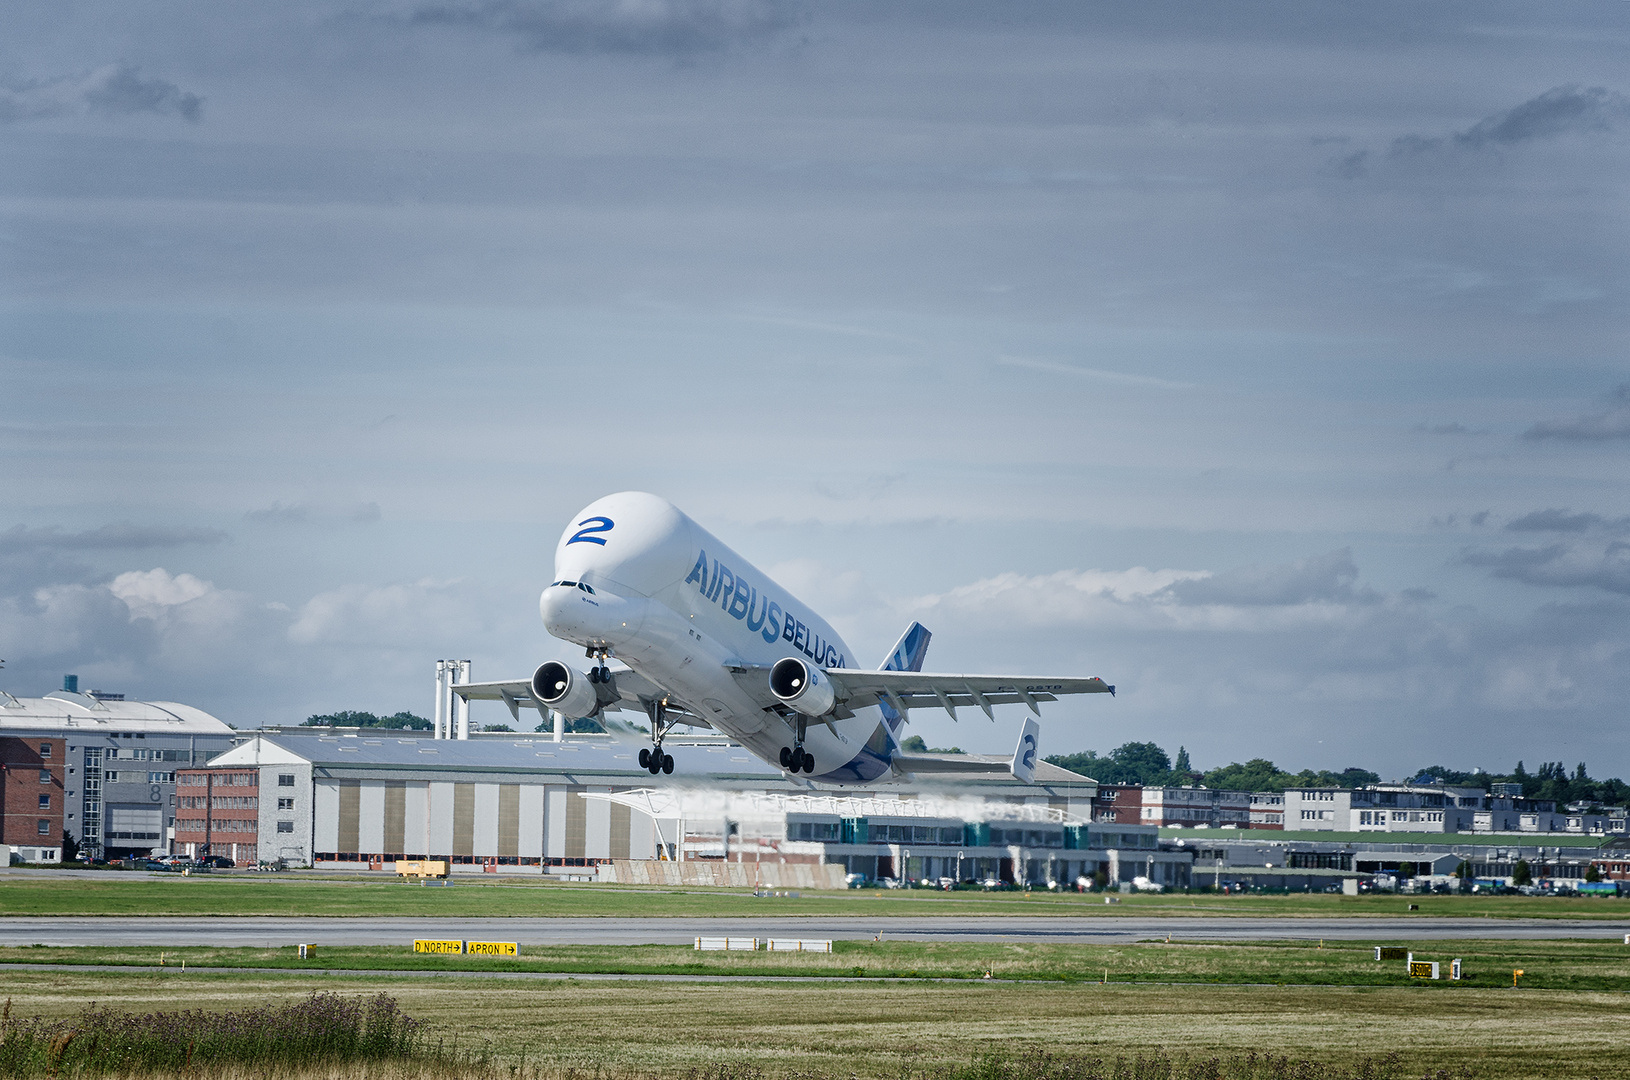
(1268,360)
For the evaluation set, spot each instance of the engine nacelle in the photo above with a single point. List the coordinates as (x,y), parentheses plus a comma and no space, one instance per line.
(564,690)
(802,687)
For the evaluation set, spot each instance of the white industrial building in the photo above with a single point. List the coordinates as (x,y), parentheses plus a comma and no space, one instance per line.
(582,807)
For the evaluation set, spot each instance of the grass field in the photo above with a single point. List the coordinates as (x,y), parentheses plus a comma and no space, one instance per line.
(1555,965)
(127,894)
(895,1031)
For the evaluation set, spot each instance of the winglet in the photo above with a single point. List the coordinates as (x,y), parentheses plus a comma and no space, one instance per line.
(1111,691)
(1025,754)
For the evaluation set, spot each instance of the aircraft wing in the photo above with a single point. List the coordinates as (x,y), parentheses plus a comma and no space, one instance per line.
(915,689)
(628,690)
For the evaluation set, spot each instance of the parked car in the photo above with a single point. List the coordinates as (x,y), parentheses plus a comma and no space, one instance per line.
(854,881)
(217,862)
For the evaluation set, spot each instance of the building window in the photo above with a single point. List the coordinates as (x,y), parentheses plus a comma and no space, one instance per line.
(285,804)
(285,779)
(45,802)
(45,776)
(45,827)
(285,826)
(45,749)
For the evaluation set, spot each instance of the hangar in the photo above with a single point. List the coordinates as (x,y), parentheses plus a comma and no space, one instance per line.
(582,807)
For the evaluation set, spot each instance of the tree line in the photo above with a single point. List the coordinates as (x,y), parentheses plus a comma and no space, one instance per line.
(1147,763)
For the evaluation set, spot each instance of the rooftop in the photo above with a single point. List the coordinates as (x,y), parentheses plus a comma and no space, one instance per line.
(75,713)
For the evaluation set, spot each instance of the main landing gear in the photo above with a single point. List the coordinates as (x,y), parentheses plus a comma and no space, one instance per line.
(795,758)
(655,760)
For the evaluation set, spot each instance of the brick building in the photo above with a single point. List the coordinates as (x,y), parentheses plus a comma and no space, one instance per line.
(1118,804)
(218,813)
(32,798)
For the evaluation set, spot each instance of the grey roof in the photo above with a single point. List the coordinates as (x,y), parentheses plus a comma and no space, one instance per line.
(81,714)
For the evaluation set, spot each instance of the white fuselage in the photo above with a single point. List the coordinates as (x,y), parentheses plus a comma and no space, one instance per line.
(675,604)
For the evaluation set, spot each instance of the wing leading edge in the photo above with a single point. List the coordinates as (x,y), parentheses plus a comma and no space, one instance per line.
(914,689)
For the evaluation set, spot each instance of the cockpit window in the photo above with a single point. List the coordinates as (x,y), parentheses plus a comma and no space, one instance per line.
(568,584)
(584,586)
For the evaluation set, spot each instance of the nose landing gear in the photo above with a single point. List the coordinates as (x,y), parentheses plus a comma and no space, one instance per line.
(600,673)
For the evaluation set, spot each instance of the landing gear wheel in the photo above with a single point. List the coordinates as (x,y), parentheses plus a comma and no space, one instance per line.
(786,757)
(645,758)
(809,763)
(797,758)
(668,764)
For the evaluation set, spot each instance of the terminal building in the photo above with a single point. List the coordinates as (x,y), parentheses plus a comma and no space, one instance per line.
(582,807)
(112,766)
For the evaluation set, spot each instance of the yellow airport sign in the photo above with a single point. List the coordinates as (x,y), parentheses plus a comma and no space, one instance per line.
(428,945)
(492,948)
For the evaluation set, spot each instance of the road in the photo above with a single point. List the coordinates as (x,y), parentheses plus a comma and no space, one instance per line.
(250,931)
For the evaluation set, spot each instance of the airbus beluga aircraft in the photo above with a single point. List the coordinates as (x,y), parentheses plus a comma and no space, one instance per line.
(703,638)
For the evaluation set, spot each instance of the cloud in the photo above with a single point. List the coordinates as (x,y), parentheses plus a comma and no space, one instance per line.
(1599,565)
(114,90)
(1562,521)
(1562,110)
(122,536)
(1322,579)
(300,513)
(1445,429)
(641,27)
(387,616)
(1614,423)
(149,593)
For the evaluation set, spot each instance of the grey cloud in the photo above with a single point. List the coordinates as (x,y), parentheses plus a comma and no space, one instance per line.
(279,514)
(644,27)
(1562,110)
(1562,521)
(1446,429)
(1614,423)
(1561,565)
(122,536)
(114,90)
(1320,578)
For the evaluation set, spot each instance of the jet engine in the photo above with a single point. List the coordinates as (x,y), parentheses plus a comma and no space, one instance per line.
(566,691)
(801,686)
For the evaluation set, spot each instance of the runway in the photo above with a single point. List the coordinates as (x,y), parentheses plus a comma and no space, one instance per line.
(265,931)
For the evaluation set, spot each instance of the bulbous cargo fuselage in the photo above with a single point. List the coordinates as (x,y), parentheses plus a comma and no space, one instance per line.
(637,577)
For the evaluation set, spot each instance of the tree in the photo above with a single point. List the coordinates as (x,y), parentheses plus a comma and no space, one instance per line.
(1182,765)
(582,726)
(1462,870)
(402,721)
(1592,874)
(914,744)
(1522,873)
(70,848)
(497,727)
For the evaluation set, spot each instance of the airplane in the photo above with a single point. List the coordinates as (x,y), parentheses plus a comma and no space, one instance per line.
(702,638)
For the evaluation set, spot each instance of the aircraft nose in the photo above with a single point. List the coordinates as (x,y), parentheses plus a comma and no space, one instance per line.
(559,607)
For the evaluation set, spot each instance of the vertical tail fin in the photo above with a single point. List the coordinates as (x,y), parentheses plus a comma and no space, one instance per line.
(1026,753)
(907,655)
(908,652)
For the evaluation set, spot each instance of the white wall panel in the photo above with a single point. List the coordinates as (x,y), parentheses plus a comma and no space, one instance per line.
(597,828)
(440,819)
(326,815)
(531,832)
(554,822)
(371,816)
(415,830)
(486,820)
